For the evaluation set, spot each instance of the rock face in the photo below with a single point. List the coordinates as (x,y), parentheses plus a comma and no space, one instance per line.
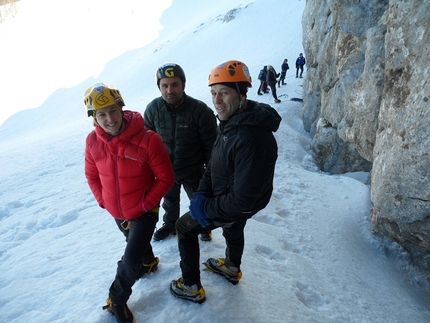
(366,103)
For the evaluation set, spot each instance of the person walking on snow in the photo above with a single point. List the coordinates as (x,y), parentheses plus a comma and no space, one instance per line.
(237,183)
(271,80)
(129,171)
(188,129)
(284,68)
(300,62)
(262,78)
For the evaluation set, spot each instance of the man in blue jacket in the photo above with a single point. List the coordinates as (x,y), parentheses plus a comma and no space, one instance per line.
(300,62)
(237,183)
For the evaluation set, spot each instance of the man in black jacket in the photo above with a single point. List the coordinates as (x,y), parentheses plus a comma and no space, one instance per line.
(237,183)
(188,129)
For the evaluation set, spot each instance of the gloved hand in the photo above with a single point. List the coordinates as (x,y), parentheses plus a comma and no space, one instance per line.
(198,208)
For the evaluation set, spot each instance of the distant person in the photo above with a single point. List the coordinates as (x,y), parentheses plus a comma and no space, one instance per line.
(284,69)
(129,171)
(271,80)
(263,84)
(237,183)
(300,62)
(188,129)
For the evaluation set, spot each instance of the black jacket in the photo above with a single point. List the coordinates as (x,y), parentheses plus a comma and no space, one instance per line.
(271,75)
(188,132)
(239,177)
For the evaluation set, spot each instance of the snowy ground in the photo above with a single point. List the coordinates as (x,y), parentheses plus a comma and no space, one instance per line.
(310,255)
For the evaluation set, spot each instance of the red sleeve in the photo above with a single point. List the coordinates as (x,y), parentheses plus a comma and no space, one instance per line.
(92,173)
(160,164)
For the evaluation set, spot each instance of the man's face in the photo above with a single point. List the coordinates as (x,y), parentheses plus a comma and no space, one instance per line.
(225,99)
(110,119)
(172,89)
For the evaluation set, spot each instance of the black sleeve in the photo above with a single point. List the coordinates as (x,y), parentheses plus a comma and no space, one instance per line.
(148,116)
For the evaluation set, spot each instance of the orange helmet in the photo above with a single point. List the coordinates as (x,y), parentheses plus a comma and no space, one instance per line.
(230,72)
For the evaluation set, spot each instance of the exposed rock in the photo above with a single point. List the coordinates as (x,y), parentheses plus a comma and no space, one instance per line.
(332,154)
(366,103)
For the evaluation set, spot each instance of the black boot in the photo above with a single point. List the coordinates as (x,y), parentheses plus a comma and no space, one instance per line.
(165,231)
(121,311)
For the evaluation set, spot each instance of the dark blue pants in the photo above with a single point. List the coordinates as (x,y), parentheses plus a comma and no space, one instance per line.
(282,78)
(188,230)
(138,251)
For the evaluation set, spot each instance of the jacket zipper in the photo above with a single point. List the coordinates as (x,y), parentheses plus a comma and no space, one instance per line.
(173,116)
(117,183)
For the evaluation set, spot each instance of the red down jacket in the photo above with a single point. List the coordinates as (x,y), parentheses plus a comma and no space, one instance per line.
(129,173)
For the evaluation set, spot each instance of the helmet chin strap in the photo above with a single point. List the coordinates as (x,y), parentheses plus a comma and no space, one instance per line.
(240,97)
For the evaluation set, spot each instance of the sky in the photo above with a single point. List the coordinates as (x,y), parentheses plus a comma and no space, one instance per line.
(71,40)
(310,255)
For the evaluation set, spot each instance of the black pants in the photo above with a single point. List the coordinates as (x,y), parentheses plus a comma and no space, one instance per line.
(138,251)
(282,78)
(262,87)
(188,230)
(171,201)
(273,88)
(300,67)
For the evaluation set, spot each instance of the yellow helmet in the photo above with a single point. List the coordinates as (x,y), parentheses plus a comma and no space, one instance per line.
(102,95)
(231,71)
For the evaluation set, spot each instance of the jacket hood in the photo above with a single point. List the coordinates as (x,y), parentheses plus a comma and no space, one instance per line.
(256,115)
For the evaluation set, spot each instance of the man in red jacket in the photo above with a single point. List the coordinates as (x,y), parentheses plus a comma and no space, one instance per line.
(129,171)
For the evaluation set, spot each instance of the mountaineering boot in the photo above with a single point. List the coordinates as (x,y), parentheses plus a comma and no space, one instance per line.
(165,231)
(121,311)
(194,293)
(150,268)
(218,266)
(206,236)
(259,93)
(277,100)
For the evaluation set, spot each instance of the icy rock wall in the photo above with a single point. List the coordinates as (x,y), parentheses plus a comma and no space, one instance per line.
(366,104)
